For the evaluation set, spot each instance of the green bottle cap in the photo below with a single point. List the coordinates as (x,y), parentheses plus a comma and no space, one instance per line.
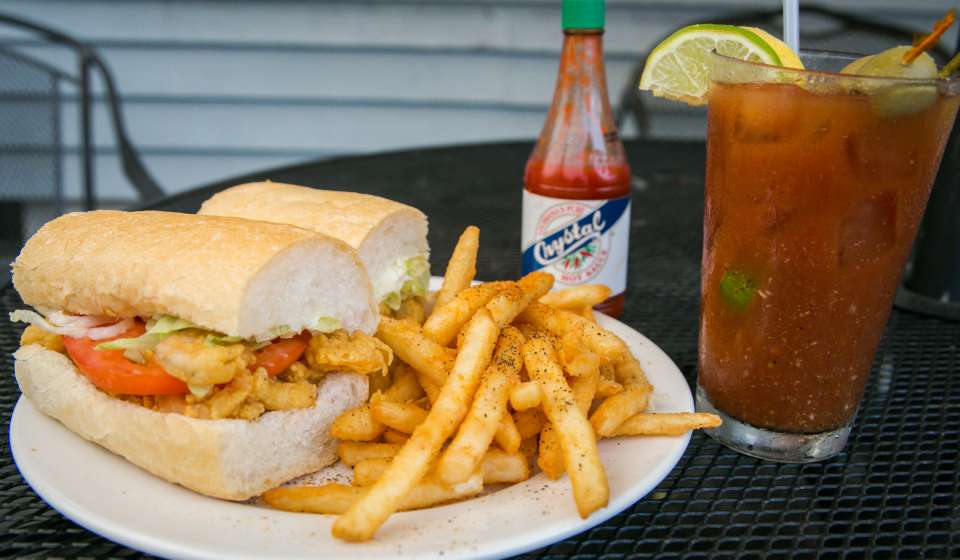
(583,14)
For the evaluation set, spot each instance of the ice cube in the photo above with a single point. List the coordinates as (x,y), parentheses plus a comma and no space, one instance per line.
(869,231)
(766,115)
(874,155)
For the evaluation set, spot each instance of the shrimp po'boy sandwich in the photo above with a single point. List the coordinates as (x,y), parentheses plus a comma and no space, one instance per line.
(212,352)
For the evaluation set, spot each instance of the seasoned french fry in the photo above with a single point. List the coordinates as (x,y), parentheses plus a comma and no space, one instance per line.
(596,339)
(431,492)
(500,467)
(410,345)
(529,422)
(393,436)
(667,424)
(584,363)
(335,498)
(550,455)
(630,374)
(432,390)
(352,452)
(366,472)
(615,410)
(411,310)
(461,268)
(330,498)
(530,330)
(402,417)
(507,436)
(405,386)
(635,397)
(445,322)
(526,395)
(357,424)
(489,405)
(608,388)
(363,518)
(511,301)
(608,383)
(584,388)
(577,440)
(588,314)
(577,297)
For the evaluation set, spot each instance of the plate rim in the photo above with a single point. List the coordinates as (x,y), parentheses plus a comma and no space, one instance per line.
(144,541)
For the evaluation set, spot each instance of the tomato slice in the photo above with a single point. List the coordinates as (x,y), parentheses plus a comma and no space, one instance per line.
(111,371)
(282,353)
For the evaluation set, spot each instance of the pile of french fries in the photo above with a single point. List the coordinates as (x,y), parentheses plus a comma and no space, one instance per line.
(498,377)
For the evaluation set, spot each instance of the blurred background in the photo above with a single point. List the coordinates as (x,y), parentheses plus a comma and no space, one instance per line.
(212,89)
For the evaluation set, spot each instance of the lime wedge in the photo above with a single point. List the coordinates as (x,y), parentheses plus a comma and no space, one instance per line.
(677,68)
(788,58)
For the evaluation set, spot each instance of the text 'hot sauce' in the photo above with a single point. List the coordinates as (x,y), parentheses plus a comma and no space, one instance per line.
(576,198)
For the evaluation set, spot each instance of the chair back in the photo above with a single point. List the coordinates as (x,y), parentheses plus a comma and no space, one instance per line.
(31,146)
(89,63)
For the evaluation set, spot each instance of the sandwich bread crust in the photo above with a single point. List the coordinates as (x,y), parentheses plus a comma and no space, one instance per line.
(239,277)
(349,216)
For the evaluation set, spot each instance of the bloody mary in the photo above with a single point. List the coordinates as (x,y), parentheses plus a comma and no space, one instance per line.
(815,186)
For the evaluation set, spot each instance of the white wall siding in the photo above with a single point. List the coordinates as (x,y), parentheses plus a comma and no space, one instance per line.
(213,89)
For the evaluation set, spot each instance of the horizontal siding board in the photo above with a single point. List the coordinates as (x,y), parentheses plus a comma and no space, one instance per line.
(516,25)
(347,129)
(175,172)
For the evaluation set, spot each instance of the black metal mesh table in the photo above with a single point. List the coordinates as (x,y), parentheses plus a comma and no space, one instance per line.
(892,493)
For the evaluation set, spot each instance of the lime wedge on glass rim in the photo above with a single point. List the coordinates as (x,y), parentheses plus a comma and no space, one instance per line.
(677,68)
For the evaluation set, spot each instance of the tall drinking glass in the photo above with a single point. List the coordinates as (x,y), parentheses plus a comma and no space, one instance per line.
(816,183)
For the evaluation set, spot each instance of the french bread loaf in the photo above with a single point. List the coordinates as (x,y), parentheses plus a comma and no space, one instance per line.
(382,231)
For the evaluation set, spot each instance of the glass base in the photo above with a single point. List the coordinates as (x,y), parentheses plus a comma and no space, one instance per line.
(769,445)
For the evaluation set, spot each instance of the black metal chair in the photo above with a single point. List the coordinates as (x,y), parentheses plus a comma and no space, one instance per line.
(821,28)
(31,146)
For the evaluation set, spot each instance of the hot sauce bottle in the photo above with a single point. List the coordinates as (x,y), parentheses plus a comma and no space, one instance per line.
(576,197)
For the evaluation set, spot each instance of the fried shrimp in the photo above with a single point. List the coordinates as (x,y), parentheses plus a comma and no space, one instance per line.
(277,395)
(187,357)
(339,351)
(298,371)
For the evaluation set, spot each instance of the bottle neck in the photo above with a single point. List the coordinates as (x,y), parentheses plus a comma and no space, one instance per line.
(579,153)
(581,58)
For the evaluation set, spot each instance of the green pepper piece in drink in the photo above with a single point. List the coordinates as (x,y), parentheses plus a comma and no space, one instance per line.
(738,289)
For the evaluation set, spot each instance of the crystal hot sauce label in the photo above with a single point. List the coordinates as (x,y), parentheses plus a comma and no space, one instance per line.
(577,241)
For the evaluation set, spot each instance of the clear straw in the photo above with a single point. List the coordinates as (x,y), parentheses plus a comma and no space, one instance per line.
(791,24)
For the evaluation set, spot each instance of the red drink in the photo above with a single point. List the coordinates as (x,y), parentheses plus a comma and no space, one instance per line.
(813,198)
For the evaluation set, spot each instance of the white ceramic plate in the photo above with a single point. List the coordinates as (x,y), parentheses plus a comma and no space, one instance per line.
(117,500)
